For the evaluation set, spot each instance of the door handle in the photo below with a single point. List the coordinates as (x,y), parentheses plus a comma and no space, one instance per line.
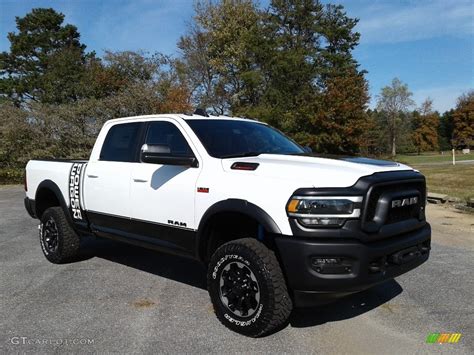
(140,180)
(92,176)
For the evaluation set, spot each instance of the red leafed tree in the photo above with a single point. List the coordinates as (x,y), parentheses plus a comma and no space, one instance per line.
(425,127)
(463,120)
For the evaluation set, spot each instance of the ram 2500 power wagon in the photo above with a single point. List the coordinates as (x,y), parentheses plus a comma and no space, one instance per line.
(276,227)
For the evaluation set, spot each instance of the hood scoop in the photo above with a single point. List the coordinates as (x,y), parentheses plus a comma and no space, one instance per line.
(242,165)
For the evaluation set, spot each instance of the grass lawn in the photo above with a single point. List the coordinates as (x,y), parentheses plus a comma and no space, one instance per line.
(456,181)
(432,158)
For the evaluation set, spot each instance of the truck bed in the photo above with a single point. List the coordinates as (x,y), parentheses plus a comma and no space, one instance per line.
(56,170)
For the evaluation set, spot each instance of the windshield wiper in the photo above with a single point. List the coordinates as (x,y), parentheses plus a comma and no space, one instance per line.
(241,155)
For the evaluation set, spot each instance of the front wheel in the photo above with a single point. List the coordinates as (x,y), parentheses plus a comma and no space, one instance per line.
(59,242)
(247,288)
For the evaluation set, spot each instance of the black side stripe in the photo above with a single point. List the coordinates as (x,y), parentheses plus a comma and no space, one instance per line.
(166,237)
(140,220)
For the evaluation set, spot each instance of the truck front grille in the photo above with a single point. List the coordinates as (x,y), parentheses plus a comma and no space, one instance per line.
(383,193)
(403,213)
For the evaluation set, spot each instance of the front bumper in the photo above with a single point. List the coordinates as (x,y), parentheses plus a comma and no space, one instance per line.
(362,264)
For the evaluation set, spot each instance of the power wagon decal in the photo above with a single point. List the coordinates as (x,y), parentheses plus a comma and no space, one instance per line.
(75,196)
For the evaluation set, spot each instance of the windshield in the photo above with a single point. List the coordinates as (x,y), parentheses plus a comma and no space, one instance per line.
(230,139)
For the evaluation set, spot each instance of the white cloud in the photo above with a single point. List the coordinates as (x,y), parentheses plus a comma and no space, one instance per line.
(400,21)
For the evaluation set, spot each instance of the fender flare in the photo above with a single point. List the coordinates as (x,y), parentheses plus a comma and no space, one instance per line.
(235,205)
(51,185)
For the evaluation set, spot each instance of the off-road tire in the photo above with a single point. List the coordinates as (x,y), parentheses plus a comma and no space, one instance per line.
(68,242)
(274,305)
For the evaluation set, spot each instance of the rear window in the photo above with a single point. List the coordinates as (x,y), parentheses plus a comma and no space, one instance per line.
(121,143)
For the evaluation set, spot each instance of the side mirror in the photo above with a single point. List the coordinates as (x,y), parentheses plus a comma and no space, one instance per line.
(307,149)
(161,154)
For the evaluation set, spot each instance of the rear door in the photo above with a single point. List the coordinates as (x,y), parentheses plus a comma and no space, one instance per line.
(107,180)
(162,196)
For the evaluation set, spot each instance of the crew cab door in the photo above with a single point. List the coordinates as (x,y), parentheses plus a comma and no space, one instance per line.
(107,179)
(162,196)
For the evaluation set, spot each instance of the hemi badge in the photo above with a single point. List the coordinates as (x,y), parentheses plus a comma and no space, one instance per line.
(203,189)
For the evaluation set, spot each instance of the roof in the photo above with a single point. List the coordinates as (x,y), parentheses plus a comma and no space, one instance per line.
(199,117)
(177,116)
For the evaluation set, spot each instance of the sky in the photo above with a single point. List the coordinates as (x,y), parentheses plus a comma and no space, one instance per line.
(428,44)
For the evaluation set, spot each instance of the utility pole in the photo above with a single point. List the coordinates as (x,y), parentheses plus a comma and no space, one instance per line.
(453,144)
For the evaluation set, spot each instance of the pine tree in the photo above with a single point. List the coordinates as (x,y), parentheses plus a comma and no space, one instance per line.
(342,114)
(46,60)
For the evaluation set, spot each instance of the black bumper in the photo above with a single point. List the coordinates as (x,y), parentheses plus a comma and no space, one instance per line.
(30,207)
(354,265)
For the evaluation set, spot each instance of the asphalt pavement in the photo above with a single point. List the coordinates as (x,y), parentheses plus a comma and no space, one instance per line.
(124,299)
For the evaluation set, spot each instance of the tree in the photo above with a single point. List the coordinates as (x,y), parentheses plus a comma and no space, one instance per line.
(204,80)
(446,130)
(46,60)
(289,65)
(138,84)
(425,127)
(220,54)
(373,141)
(394,101)
(293,66)
(341,118)
(54,97)
(463,120)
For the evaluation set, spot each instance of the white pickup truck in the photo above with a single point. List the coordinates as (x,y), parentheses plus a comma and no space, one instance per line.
(276,226)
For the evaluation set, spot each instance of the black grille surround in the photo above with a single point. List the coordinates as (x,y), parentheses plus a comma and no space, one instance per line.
(378,219)
(378,210)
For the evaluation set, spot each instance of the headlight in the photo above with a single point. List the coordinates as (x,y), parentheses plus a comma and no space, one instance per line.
(324,211)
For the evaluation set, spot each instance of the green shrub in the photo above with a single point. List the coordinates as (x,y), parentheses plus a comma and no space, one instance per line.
(11,176)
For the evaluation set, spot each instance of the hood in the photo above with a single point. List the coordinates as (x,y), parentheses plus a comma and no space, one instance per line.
(311,171)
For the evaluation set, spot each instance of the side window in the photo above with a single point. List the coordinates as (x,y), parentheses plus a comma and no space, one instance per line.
(168,134)
(121,143)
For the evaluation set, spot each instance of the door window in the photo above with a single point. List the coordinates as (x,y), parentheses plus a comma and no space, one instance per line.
(168,134)
(121,143)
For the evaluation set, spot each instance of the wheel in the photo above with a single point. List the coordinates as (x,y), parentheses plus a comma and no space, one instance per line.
(59,242)
(247,288)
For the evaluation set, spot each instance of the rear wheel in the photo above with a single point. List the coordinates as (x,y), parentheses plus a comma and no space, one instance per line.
(59,242)
(247,288)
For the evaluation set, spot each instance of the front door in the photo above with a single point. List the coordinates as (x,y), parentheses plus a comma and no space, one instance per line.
(162,196)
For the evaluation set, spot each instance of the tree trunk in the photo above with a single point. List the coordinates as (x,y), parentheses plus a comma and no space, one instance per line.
(394,146)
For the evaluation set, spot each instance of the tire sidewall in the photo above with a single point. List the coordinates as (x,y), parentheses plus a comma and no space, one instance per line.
(225,255)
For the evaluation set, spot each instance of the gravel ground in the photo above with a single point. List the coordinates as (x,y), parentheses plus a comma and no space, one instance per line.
(123,299)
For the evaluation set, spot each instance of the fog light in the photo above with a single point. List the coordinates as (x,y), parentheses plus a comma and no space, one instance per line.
(331,265)
(326,261)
